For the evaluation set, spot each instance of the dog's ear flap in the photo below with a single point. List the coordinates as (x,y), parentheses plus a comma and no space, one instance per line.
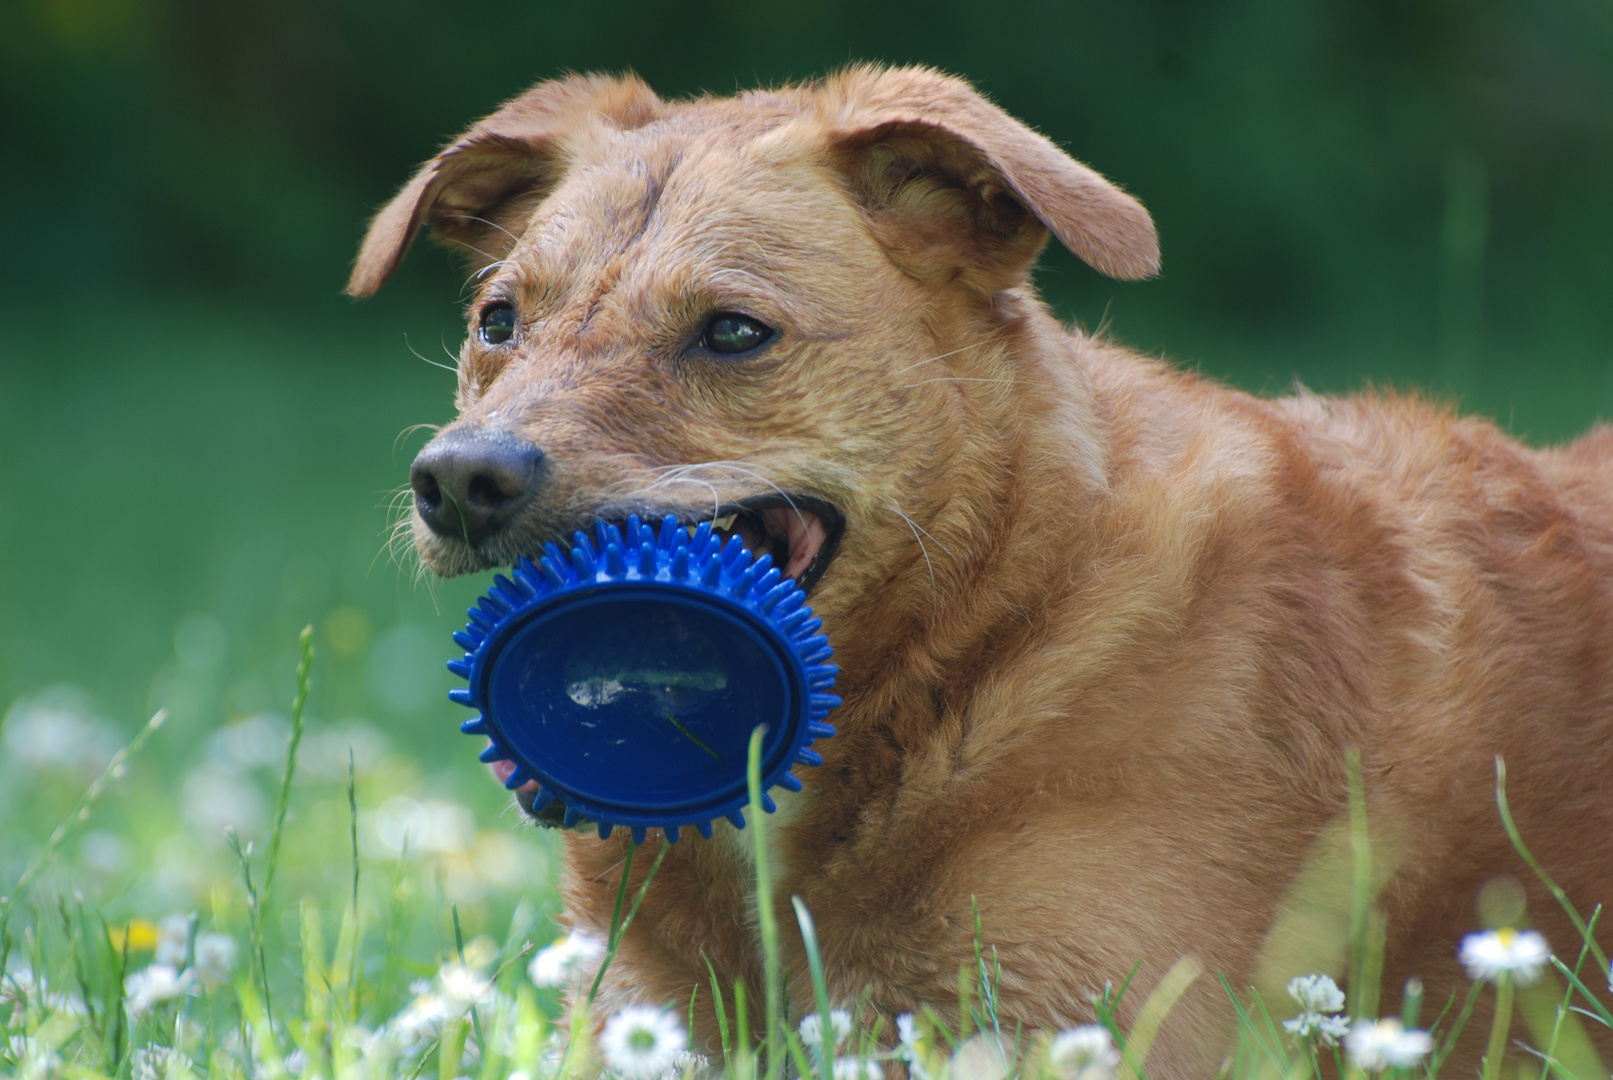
(955,185)
(495,173)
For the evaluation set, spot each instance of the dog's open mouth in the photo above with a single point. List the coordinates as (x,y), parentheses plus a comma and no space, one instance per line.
(799,532)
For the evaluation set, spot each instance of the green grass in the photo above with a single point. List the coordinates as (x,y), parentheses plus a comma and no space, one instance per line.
(362,950)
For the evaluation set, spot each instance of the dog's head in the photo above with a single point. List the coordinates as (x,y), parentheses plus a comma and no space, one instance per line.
(797,312)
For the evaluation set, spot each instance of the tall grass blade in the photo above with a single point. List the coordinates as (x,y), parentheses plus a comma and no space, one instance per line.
(1156,1007)
(1552,887)
(825,1048)
(766,920)
(299,702)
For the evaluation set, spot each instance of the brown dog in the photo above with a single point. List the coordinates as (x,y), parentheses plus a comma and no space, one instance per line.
(1106,629)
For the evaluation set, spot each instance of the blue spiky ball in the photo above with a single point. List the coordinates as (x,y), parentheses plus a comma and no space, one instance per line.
(626,674)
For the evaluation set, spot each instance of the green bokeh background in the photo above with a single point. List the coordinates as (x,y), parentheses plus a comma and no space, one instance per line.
(199,436)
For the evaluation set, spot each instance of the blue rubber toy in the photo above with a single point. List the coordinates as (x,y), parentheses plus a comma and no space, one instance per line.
(626,675)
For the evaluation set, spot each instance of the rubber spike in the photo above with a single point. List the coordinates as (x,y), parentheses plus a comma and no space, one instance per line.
(633,527)
(825,701)
(530,577)
(582,561)
(671,834)
(680,564)
(551,573)
(736,819)
(712,572)
(579,539)
(460,668)
(573,815)
(615,565)
(792,622)
(541,798)
(743,583)
(704,828)
(702,534)
(480,618)
(475,726)
(519,778)
(767,803)
(791,602)
(494,752)
(459,695)
(670,533)
(467,640)
(601,534)
(789,783)
(495,605)
(605,828)
(733,550)
(647,561)
(808,757)
(819,730)
(638,835)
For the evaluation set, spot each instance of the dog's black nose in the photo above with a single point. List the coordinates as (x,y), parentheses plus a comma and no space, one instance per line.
(469,482)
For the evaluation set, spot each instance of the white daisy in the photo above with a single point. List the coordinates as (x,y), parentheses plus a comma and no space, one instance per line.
(1492,953)
(1374,1045)
(641,1042)
(811,1028)
(1086,1052)
(151,986)
(857,1068)
(464,987)
(568,961)
(414,1028)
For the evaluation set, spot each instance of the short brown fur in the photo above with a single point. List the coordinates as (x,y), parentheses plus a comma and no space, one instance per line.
(1106,629)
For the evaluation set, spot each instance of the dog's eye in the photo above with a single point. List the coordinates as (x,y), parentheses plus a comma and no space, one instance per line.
(729,332)
(498,323)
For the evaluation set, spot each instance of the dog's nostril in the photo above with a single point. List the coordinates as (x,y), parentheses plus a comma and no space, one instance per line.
(485,490)
(426,492)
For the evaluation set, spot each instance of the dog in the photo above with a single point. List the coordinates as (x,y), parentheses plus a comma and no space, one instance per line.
(1108,631)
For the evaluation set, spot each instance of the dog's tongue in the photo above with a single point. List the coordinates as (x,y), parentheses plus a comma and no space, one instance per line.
(504,770)
(805,533)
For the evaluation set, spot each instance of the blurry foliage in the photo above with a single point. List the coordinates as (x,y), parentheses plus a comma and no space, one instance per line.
(193,420)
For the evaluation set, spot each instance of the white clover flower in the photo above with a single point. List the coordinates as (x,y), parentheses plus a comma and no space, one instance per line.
(1493,953)
(1318,996)
(151,986)
(464,987)
(1374,1045)
(17,985)
(159,1063)
(811,1028)
(568,961)
(1086,1052)
(1316,993)
(1329,1029)
(685,1063)
(173,941)
(641,1042)
(215,958)
(857,1068)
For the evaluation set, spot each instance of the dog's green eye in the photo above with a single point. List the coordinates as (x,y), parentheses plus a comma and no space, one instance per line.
(498,323)
(728,332)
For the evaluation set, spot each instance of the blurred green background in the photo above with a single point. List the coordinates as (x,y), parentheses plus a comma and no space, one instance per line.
(199,437)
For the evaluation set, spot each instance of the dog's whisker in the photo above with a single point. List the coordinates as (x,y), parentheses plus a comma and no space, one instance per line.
(942,356)
(433,363)
(743,470)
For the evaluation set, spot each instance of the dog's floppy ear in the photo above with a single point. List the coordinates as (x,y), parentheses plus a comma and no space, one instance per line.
(499,169)
(954,185)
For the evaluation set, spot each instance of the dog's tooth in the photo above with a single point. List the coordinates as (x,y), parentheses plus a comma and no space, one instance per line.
(726,522)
